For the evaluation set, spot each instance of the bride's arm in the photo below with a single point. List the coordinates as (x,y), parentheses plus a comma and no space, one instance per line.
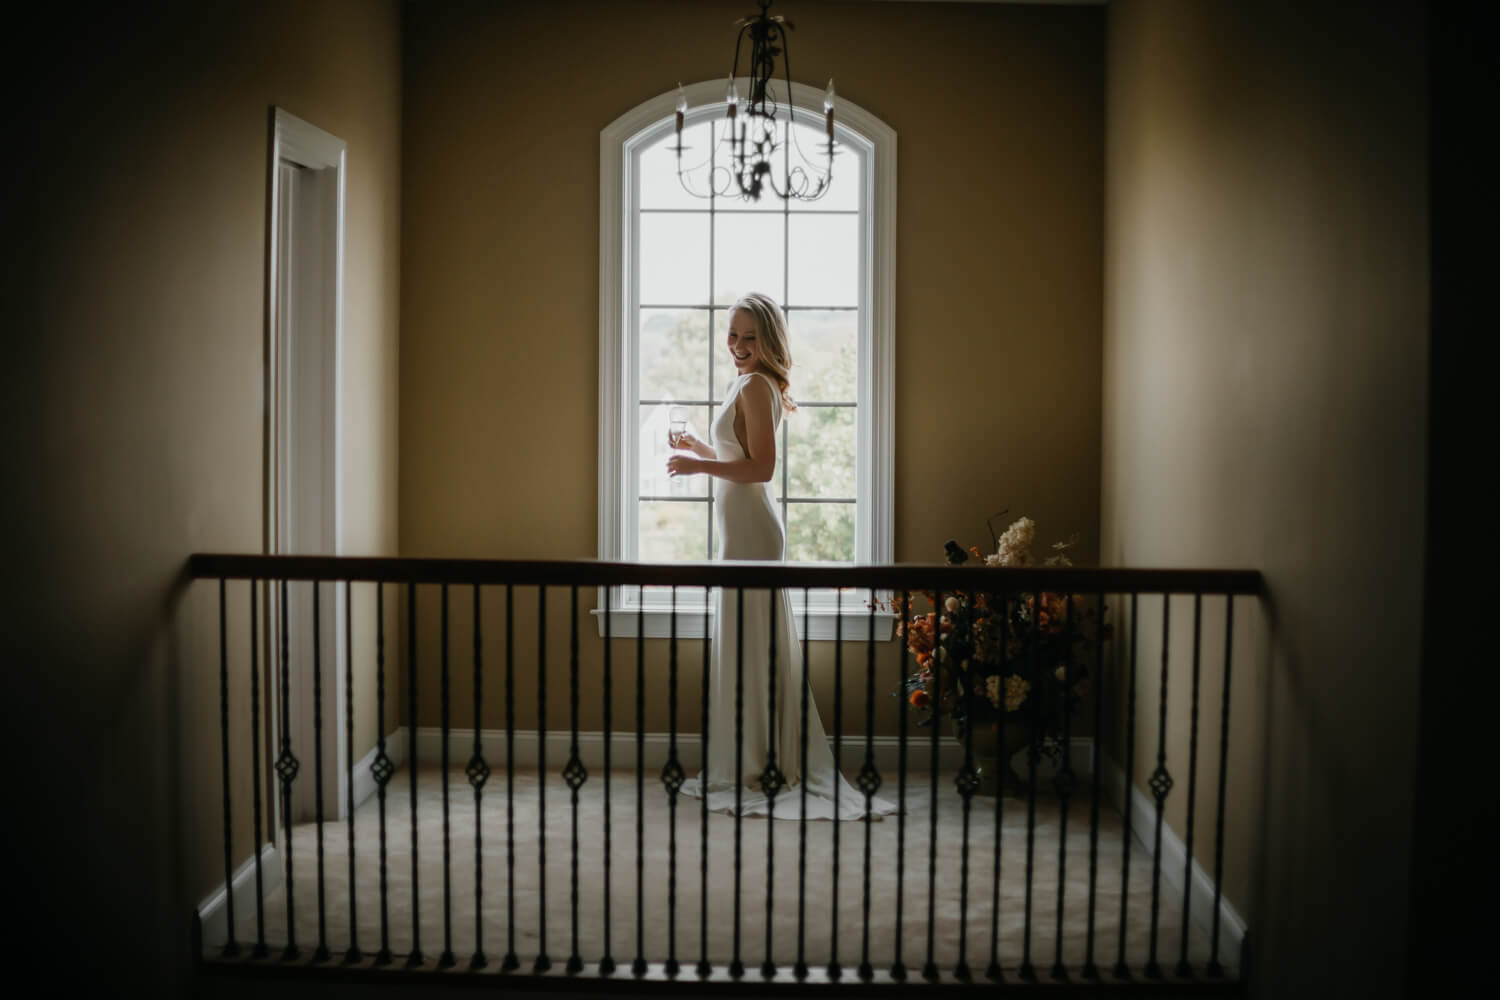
(759,463)
(700,448)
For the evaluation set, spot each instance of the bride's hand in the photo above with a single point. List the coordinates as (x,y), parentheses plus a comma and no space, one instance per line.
(682,465)
(688,442)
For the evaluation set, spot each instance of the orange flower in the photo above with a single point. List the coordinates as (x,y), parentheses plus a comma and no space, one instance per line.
(920,698)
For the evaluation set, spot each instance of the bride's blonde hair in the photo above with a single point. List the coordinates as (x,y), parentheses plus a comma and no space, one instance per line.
(775,355)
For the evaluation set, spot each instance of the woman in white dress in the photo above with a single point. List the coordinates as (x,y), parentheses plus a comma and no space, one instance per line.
(741,455)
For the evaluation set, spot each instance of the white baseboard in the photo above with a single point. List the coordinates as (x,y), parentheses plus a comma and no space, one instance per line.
(1173,858)
(689,751)
(213,911)
(364,782)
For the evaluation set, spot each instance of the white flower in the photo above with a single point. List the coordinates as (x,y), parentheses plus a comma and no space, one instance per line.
(1015,545)
(951,605)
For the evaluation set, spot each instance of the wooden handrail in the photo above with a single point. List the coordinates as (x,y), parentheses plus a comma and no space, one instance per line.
(588,573)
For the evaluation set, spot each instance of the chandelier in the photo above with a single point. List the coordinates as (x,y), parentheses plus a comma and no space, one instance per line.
(758,147)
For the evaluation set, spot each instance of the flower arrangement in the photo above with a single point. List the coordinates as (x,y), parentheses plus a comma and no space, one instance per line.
(993,656)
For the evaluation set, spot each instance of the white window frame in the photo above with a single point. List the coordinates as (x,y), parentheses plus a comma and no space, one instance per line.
(620,144)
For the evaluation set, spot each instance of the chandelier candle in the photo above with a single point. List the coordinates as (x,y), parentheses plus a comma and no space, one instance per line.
(763,146)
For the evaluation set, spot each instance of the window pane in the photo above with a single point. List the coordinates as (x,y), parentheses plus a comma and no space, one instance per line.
(674,258)
(820,532)
(749,256)
(811,140)
(820,452)
(825,260)
(653,452)
(660,187)
(823,345)
(672,531)
(674,354)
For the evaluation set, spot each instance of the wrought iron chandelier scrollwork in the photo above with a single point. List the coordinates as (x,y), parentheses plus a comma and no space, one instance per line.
(743,162)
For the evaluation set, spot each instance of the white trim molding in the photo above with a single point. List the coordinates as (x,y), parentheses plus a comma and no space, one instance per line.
(213,910)
(874,144)
(1173,862)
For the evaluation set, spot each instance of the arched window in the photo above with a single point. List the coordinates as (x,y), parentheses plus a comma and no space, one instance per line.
(671,266)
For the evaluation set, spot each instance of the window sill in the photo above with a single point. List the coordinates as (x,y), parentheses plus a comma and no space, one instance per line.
(824,624)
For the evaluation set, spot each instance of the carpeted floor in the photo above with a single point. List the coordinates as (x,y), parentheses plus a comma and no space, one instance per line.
(894,873)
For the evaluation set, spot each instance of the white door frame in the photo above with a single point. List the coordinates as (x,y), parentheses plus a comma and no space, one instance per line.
(304,489)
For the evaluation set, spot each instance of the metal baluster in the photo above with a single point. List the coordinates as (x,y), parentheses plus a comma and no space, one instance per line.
(771,782)
(352,954)
(575,774)
(929,968)
(381,770)
(1161,784)
(320,954)
(543,962)
(607,962)
(446,959)
(1033,756)
(800,969)
(286,769)
(260,950)
(478,772)
(898,968)
(737,967)
(1214,969)
(231,947)
(638,967)
(672,777)
(511,961)
(415,958)
(1183,968)
(834,970)
(1063,783)
(704,968)
(1090,970)
(967,783)
(993,971)
(1121,970)
(869,783)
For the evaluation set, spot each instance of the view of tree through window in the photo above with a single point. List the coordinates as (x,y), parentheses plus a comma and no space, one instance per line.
(695,258)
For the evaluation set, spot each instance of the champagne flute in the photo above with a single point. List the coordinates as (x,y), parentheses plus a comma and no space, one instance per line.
(676,426)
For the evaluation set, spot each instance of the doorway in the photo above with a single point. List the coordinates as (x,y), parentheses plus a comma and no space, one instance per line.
(305,313)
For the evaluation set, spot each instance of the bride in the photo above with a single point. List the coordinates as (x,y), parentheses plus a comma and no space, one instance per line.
(741,454)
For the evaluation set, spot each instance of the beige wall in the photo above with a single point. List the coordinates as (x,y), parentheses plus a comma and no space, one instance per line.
(1264,403)
(998,111)
(135,405)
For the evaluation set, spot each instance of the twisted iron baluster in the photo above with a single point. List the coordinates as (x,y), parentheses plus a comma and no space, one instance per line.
(574,773)
(352,954)
(381,769)
(543,961)
(672,777)
(834,971)
(1090,970)
(800,969)
(704,969)
(638,966)
(898,968)
(737,967)
(869,783)
(446,959)
(1183,968)
(1064,785)
(478,772)
(320,954)
(771,782)
(231,947)
(260,950)
(1121,970)
(1161,784)
(993,971)
(286,769)
(607,962)
(1214,969)
(929,968)
(415,958)
(511,961)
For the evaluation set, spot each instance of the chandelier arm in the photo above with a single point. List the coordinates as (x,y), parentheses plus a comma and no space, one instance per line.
(786,64)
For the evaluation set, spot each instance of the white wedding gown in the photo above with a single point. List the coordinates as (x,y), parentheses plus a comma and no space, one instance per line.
(749,528)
